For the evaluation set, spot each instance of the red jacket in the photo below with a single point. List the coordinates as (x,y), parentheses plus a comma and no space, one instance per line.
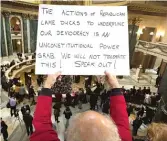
(42,117)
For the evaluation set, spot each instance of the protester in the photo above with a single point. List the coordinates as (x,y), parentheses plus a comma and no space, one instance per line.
(12,103)
(93,101)
(31,94)
(88,93)
(24,108)
(27,118)
(22,92)
(67,114)
(134,90)
(90,125)
(56,115)
(4,130)
(103,97)
(136,125)
(80,98)
(106,107)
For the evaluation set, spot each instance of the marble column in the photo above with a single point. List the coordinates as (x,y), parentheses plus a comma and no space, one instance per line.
(8,33)
(143,63)
(33,32)
(4,51)
(25,38)
(132,40)
(28,35)
(160,115)
(133,28)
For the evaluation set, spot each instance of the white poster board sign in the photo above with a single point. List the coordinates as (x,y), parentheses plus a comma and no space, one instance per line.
(82,40)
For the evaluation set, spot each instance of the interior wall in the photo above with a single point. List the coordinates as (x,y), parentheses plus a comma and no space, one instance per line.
(158,22)
(164,39)
(146,34)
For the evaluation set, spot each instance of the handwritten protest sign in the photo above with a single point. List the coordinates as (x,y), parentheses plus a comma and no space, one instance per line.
(82,40)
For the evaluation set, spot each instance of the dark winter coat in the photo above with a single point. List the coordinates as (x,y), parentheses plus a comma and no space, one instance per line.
(28,119)
(4,128)
(67,114)
(25,108)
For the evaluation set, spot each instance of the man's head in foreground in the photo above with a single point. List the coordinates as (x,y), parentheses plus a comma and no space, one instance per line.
(92,126)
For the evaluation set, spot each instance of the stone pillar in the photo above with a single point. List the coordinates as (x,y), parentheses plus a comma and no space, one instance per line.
(160,115)
(4,50)
(33,32)
(142,63)
(28,34)
(162,67)
(138,73)
(8,33)
(133,26)
(25,38)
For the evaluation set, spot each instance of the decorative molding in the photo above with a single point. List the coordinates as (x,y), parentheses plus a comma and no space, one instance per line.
(147,8)
(25,16)
(6,13)
(108,3)
(134,21)
(33,17)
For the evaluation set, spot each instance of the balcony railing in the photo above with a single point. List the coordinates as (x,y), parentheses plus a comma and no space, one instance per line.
(155,49)
(149,46)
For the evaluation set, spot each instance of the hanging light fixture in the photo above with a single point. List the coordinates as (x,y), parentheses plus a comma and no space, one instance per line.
(17,22)
(18,42)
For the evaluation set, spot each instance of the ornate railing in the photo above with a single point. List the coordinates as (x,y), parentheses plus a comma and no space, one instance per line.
(150,46)
(28,63)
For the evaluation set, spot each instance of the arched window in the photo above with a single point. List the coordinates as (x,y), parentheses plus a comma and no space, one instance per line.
(16,27)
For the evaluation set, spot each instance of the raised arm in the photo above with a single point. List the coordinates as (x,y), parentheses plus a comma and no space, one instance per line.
(118,108)
(42,116)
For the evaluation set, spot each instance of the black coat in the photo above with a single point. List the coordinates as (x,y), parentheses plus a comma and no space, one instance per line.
(57,105)
(4,128)
(67,114)
(57,112)
(137,123)
(27,119)
(93,99)
(31,92)
(25,108)
(106,107)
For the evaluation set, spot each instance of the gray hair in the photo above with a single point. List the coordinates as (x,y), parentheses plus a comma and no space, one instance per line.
(76,131)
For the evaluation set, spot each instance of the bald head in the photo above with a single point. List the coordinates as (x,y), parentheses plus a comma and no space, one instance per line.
(92,126)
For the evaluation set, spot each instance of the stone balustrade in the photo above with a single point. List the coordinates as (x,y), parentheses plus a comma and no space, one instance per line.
(15,70)
(156,49)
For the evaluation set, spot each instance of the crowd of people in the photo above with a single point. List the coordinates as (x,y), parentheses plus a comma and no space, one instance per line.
(17,92)
(141,96)
(140,102)
(82,126)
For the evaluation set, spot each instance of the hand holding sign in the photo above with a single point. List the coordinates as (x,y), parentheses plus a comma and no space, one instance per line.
(51,79)
(82,40)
